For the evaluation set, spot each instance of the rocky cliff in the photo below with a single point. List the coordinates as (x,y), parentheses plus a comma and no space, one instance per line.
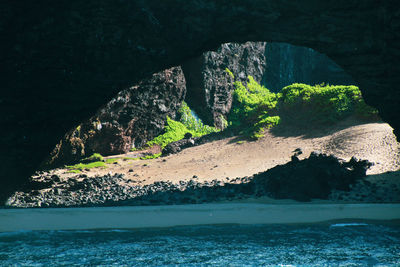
(274,65)
(210,84)
(62,60)
(287,64)
(129,120)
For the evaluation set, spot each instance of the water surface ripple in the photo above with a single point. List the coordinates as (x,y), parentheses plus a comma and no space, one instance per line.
(344,244)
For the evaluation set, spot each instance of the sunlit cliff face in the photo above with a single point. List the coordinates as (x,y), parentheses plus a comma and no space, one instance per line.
(63,60)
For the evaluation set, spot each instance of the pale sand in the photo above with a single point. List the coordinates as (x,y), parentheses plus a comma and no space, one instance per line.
(226,158)
(180,215)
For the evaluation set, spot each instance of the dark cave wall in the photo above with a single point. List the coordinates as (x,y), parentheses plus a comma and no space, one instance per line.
(61,60)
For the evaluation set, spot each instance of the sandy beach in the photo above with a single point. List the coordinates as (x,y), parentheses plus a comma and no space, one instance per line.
(226,161)
(231,158)
(179,215)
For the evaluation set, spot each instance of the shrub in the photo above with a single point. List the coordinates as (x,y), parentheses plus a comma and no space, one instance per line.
(176,130)
(251,108)
(255,108)
(154,156)
(93,158)
(323,103)
(81,166)
(193,124)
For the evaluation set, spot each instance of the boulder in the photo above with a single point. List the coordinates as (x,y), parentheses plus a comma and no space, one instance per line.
(210,84)
(313,177)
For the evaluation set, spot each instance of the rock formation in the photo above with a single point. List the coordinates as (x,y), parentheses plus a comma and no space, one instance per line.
(129,120)
(274,65)
(210,85)
(313,177)
(62,60)
(287,64)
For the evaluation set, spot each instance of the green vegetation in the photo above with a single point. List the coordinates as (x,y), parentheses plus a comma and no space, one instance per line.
(154,156)
(129,158)
(94,161)
(195,126)
(82,166)
(255,108)
(325,103)
(229,73)
(93,158)
(176,130)
(224,122)
(111,160)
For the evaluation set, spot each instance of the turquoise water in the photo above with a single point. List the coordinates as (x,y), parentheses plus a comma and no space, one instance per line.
(349,244)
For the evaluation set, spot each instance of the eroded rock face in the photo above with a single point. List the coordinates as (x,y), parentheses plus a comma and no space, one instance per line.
(129,120)
(287,64)
(210,86)
(274,65)
(62,60)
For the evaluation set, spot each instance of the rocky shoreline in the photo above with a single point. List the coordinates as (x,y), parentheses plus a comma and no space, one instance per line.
(319,176)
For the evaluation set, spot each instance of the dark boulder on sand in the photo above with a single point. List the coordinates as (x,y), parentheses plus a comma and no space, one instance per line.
(175,147)
(313,177)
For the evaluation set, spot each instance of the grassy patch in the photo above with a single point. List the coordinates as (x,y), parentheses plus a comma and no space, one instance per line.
(323,104)
(93,158)
(82,166)
(176,130)
(256,109)
(195,126)
(154,156)
(111,160)
(252,108)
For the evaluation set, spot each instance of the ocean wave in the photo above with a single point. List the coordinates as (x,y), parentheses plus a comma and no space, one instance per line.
(348,224)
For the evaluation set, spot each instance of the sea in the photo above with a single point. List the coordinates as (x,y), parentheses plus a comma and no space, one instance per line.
(324,244)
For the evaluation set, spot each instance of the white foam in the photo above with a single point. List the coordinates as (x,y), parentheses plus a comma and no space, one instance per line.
(348,224)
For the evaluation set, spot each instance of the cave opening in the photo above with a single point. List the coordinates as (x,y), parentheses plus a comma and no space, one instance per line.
(187,106)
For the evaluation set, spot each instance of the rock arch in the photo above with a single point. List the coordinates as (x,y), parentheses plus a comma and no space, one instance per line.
(60,60)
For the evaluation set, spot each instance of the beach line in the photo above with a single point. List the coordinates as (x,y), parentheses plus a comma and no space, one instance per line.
(193,214)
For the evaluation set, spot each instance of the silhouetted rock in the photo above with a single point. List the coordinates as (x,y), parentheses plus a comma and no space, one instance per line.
(313,177)
(177,146)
